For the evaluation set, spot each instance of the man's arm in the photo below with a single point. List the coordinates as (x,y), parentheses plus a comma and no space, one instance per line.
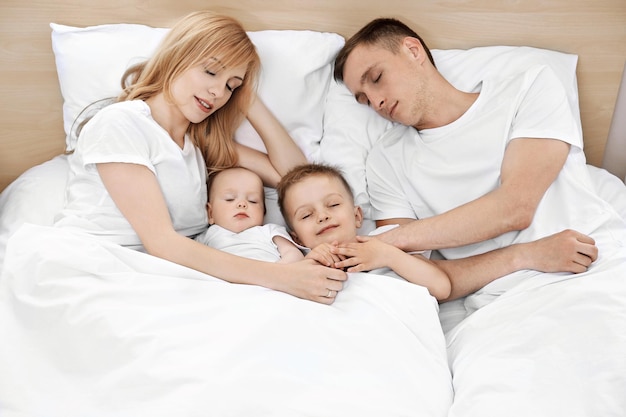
(528,168)
(566,251)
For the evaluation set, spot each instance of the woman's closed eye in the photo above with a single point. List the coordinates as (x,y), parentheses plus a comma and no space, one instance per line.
(233,84)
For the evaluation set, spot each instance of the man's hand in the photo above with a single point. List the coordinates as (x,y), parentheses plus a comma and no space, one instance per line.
(566,251)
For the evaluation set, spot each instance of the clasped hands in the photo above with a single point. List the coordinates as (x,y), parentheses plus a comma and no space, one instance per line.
(366,254)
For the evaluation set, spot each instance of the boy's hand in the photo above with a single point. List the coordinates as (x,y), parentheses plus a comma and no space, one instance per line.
(367,254)
(323,254)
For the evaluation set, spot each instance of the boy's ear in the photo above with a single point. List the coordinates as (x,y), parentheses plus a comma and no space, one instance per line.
(358,216)
(294,236)
(209,213)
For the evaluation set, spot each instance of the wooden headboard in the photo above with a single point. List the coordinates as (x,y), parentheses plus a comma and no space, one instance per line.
(31,127)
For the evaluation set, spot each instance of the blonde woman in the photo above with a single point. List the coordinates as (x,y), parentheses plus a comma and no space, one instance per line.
(138,173)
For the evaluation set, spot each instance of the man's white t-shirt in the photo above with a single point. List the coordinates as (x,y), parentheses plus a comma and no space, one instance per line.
(126,132)
(419,175)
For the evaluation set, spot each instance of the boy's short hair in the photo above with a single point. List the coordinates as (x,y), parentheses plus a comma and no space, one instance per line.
(302,172)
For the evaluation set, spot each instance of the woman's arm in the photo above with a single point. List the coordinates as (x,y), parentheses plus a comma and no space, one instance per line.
(137,194)
(282,152)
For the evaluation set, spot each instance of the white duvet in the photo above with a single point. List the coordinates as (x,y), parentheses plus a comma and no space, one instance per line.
(92,329)
(553,345)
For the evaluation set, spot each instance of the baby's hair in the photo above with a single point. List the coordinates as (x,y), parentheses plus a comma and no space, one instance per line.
(214,174)
(302,172)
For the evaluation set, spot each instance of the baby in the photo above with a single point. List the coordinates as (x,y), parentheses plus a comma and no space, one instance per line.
(236,208)
(318,206)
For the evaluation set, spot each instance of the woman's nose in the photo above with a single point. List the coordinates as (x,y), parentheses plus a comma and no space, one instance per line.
(217,91)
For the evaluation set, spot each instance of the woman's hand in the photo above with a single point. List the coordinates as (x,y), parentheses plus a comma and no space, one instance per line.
(309,280)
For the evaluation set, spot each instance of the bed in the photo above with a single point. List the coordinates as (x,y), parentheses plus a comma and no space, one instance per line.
(93,329)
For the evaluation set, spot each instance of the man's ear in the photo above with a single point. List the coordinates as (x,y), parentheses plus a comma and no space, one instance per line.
(209,213)
(358,216)
(414,47)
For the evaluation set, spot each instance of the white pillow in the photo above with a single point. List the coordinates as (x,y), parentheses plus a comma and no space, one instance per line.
(350,129)
(295,75)
(90,62)
(35,197)
(296,71)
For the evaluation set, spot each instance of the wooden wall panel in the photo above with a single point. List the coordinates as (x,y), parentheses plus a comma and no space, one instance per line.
(31,129)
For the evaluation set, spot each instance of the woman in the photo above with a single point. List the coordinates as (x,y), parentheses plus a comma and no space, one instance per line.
(138,173)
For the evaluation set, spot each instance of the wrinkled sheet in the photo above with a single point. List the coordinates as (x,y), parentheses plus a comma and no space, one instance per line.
(551,345)
(88,328)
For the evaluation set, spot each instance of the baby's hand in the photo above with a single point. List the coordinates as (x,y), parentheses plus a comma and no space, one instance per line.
(323,254)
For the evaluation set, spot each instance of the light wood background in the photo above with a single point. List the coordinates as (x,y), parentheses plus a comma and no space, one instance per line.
(31,128)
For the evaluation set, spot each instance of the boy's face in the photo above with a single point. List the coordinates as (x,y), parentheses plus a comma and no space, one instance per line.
(321,210)
(236,200)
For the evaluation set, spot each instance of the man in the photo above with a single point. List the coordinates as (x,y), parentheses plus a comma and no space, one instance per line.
(482,171)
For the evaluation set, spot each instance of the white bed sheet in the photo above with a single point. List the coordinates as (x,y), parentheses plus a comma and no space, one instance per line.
(93,329)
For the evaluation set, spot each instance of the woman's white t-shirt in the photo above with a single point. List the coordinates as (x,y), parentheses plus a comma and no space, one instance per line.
(126,132)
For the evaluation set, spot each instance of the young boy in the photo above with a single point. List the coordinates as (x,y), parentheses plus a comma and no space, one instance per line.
(318,206)
(235,209)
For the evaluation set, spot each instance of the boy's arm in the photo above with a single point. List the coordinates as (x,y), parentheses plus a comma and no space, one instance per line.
(288,251)
(370,253)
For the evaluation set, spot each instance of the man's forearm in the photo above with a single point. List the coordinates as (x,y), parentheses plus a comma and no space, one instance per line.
(468,275)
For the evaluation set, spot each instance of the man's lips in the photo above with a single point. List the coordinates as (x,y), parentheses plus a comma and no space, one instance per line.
(393,110)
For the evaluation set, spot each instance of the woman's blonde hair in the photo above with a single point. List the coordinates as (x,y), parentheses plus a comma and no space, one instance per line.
(193,40)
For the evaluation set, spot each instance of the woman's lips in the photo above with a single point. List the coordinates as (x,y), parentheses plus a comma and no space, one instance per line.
(205,106)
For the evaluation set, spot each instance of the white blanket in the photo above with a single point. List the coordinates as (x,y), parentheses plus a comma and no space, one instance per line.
(89,329)
(553,345)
